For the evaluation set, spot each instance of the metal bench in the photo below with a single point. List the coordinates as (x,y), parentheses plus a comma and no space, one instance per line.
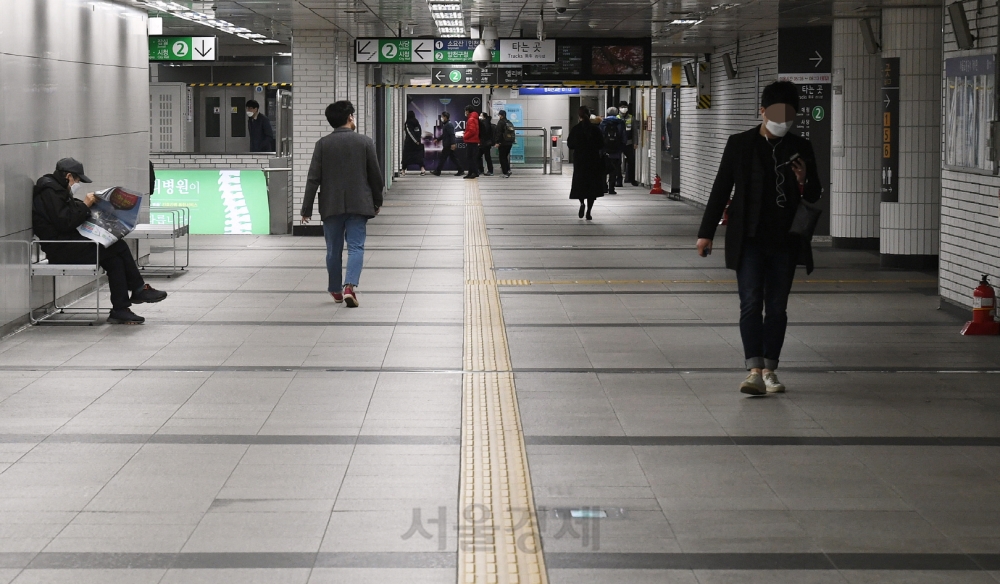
(41,267)
(178,226)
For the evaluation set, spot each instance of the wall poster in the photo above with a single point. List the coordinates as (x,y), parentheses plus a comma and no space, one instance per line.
(428,109)
(970,106)
(222,202)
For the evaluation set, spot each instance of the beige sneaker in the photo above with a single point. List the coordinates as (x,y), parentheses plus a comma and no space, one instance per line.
(772,383)
(753,385)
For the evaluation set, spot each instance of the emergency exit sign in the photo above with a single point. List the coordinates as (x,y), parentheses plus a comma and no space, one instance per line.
(174,48)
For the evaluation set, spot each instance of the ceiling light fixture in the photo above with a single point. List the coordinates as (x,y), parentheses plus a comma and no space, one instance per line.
(185,13)
(448,18)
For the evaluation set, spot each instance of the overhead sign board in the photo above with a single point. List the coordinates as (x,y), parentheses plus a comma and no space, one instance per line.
(549,91)
(527,51)
(450,51)
(175,48)
(463,76)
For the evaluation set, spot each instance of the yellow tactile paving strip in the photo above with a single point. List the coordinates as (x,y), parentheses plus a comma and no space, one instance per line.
(498,539)
(626,282)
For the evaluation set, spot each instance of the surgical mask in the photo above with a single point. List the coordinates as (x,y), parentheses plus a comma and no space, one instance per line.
(779,130)
(250,114)
(77,190)
(624,110)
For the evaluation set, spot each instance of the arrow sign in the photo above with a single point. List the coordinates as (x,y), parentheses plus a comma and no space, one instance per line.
(423,52)
(205,50)
(439,74)
(365,51)
(818,58)
(887,101)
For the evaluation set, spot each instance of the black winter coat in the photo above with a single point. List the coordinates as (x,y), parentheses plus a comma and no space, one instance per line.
(586,142)
(485,132)
(55,215)
(736,170)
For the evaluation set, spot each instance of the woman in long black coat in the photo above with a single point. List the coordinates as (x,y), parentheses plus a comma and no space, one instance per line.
(586,141)
(413,145)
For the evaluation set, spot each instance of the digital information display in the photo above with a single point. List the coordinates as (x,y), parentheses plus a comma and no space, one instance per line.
(596,59)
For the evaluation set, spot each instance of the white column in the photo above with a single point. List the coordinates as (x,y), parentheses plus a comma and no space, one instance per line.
(855,168)
(910,229)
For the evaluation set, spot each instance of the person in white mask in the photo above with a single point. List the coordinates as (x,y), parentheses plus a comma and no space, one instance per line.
(60,203)
(259,128)
(766,172)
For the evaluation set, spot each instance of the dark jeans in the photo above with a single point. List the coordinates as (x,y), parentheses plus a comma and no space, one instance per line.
(505,157)
(614,173)
(765,278)
(472,158)
(484,152)
(445,155)
(628,160)
(117,261)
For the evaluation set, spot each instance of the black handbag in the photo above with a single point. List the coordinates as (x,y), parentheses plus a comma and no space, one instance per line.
(806,217)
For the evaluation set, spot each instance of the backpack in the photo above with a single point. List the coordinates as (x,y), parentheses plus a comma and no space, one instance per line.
(612,137)
(508,135)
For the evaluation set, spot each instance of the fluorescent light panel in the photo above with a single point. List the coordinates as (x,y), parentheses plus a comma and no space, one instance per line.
(186,13)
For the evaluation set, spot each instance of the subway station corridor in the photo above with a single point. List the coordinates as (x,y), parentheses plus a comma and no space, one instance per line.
(510,366)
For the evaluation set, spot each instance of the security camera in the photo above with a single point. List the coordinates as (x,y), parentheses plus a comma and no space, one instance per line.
(560,5)
(482,56)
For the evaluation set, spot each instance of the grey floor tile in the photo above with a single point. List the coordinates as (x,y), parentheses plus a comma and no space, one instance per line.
(382,575)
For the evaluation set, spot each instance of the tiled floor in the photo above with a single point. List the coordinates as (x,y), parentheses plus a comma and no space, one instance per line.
(253,431)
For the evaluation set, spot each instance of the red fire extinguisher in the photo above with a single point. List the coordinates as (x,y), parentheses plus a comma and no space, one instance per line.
(984,305)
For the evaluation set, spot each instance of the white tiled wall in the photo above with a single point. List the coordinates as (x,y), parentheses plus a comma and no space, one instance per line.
(211,161)
(912,226)
(323,72)
(970,228)
(734,109)
(855,177)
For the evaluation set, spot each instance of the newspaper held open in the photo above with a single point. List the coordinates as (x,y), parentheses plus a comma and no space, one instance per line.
(113,216)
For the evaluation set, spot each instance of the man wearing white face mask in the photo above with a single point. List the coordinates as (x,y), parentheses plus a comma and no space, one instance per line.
(772,171)
(55,215)
(259,127)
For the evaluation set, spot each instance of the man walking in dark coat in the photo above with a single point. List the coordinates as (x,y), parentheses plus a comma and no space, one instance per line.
(613,129)
(346,172)
(448,145)
(772,171)
(55,215)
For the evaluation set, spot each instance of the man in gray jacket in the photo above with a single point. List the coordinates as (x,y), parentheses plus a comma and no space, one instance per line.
(345,169)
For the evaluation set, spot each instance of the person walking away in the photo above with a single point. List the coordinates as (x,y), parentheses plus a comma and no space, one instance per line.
(413,145)
(613,130)
(259,128)
(772,171)
(346,171)
(471,139)
(505,136)
(448,146)
(586,142)
(485,144)
(631,143)
(55,215)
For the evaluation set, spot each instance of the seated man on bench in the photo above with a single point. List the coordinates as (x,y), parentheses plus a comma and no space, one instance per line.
(55,215)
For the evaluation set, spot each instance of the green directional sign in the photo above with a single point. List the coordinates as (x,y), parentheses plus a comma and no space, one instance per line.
(818,113)
(394,51)
(174,48)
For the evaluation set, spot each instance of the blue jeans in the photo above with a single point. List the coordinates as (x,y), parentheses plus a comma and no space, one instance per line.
(335,227)
(765,278)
